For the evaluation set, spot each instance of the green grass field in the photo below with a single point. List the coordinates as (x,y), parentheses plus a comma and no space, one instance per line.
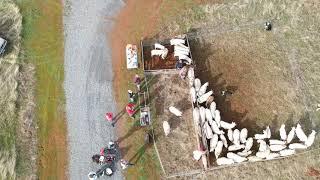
(43,47)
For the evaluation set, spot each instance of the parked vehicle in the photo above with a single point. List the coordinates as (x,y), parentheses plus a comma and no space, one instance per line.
(3,44)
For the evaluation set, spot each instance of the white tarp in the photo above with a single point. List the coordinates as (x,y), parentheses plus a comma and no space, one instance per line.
(132,57)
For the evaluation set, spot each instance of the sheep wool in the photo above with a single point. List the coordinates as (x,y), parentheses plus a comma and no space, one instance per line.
(224,161)
(310,138)
(175,111)
(291,134)
(283,134)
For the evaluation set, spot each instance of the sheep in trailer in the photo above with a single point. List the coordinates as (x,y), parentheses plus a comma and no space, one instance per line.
(249,144)
(243,135)
(287,152)
(230,135)
(236,136)
(277,147)
(175,111)
(310,138)
(204,97)
(291,134)
(283,134)
(236,147)
(203,89)
(158,46)
(300,134)
(226,125)
(297,146)
(276,141)
(214,142)
(197,84)
(236,157)
(193,94)
(177,41)
(166,128)
(262,145)
(224,161)
(218,149)
(224,140)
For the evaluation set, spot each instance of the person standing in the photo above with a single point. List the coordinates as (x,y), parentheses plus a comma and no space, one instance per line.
(137,81)
(125,164)
(109,117)
(131,96)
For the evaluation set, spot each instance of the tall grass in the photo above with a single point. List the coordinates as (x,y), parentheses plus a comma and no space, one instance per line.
(10,27)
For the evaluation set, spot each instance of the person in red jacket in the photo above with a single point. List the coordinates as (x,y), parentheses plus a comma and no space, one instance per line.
(130,109)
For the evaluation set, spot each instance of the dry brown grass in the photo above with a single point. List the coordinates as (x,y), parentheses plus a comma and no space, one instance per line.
(175,150)
(10,27)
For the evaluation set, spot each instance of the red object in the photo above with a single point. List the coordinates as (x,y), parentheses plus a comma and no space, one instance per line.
(102,152)
(109,116)
(130,109)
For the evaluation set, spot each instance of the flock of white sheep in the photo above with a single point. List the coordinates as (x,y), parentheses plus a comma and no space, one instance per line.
(224,135)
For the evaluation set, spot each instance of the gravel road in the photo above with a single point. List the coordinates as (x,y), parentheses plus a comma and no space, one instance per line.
(88,82)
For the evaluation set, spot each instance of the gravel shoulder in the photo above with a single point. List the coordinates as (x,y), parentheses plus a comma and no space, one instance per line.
(88,81)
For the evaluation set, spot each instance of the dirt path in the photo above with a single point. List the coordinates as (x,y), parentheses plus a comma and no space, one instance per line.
(88,81)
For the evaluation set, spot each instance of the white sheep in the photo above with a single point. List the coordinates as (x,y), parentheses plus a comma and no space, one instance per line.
(277,147)
(213,107)
(197,84)
(203,89)
(214,142)
(218,149)
(226,125)
(262,145)
(215,128)
(197,154)
(263,154)
(175,111)
(249,144)
(193,94)
(204,97)
(272,156)
(208,130)
(311,138)
(166,127)
(244,153)
(191,75)
(204,161)
(297,146)
(217,117)
(254,159)
(209,116)
(185,58)
(235,147)
(177,41)
(287,152)
(291,134)
(276,141)
(202,114)
(283,134)
(196,115)
(224,140)
(236,157)
(243,135)
(300,134)
(224,161)
(230,135)
(236,136)
(158,46)
(260,136)
(267,131)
